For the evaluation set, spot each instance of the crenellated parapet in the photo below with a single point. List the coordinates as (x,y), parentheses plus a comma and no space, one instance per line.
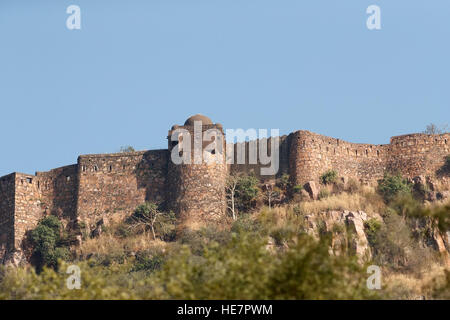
(111,186)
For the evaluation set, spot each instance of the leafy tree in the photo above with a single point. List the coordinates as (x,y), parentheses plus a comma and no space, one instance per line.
(148,216)
(46,240)
(271,193)
(246,192)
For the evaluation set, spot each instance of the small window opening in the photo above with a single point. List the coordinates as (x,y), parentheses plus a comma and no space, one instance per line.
(110,168)
(95,168)
(68,178)
(29,180)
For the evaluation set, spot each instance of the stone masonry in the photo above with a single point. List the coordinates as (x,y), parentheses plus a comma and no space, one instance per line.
(112,185)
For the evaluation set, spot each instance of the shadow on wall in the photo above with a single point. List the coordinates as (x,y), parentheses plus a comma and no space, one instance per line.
(151,173)
(444,171)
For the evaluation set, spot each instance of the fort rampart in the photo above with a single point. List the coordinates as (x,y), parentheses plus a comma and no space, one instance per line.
(112,185)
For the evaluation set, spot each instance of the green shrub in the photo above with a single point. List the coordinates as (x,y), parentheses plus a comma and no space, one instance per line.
(197,240)
(148,261)
(281,235)
(393,185)
(372,226)
(283,182)
(329,177)
(245,269)
(405,204)
(298,188)
(245,224)
(47,243)
(240,269)
(394,245)
(122,231)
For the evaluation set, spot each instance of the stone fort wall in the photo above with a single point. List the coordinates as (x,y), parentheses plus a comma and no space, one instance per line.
(313,154)
(410,155)
(117,183)
(112,185)
(58,190)
(418,154)
(7,206)
(237,167)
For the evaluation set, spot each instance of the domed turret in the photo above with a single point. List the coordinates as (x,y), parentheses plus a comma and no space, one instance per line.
(196,189)
(198,117)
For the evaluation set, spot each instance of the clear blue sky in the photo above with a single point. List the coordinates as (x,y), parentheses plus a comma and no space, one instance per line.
(138,67)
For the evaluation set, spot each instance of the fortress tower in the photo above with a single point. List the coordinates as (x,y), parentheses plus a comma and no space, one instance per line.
(190,177)
(196,187)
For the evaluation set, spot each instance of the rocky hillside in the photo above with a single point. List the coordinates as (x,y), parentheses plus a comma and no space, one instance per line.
(280,242)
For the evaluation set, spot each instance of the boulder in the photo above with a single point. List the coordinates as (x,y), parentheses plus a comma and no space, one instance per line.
(312,189)
(335,222)
(355,223)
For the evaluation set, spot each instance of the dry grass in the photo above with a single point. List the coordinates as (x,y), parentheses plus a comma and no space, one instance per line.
(366,200)
(110,245)
(413,286)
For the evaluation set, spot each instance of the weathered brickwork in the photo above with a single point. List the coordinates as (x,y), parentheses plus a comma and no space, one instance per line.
(410,155)
(196,192)
(254,166)
(7,205)
(418,154)
(117,183)
(112,185)
(58,189)
(27,207)
(313,154)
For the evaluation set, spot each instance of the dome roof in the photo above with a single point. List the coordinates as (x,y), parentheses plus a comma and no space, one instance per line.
(198,117)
